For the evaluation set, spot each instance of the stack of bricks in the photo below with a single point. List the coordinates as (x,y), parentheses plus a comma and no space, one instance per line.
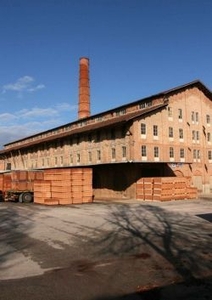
(7,182)
(144,188)
(87,185)
(42,191)
(19,180)
(165,189)
(81,185)
(60,186)
(1,182)
(24,180)
(64,186)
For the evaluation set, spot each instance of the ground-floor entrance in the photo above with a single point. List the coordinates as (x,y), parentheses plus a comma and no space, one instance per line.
(118,181)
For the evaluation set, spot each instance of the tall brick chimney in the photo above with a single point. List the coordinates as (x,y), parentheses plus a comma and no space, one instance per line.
(84,89)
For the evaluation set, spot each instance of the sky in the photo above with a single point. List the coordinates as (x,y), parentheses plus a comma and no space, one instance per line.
(136,48)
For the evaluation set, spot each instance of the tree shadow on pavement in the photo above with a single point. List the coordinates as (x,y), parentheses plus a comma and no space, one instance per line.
(172,238)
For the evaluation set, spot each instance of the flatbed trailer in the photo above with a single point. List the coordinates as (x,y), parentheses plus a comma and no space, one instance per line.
(56,186)
(25,196)
(18,185)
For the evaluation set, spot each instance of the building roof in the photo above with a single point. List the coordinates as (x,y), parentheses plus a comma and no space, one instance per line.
(115,121)
(109,122)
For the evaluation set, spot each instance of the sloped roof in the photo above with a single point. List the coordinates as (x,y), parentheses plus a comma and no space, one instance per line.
(113,121)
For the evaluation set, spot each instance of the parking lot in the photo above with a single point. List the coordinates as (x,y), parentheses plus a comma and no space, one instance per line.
(104,250)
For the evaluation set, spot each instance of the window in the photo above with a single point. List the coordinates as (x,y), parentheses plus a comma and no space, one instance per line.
(182,153)
(208,119)
(171,152)
(143,128)
(194,154)
(156,152)
(210,155)
(180,114)
(61,160)
(155,130)
(142,105)
(55,160)
(198,154)
(143,151)
(78,157)
(181,133)
(197,136)
(98,155)
(208,136)
(83,123)
(124,151)
(170,112)
(171,133)
(145,104)
(197,117)
(121,112)
(192,116)
(113,153)
(97,119)
(193,135)
(71,159)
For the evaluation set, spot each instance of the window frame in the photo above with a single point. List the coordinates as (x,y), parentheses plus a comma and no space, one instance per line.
(171,152)
(181,137)
(180,113)
(143,151)
(143,129)
(171,132)
(156,152)
(155,130)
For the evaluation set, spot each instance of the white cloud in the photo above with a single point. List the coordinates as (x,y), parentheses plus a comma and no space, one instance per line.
(37,112)
(36,88)
(7,117)
(23,84)
(66,106)
(27,122)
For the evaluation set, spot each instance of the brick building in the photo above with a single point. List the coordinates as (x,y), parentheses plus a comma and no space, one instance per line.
(167,134)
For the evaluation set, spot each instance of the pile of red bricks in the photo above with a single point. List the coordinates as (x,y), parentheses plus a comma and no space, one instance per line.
(5,181)
(165,189)
(64,186)
(52,186)
(24,180)
(19,180)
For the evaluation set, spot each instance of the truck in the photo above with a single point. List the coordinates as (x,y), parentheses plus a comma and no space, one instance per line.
(18,185)
(53,186)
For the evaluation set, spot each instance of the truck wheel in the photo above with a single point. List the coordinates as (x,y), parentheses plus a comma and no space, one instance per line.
(20,198)
(26,197)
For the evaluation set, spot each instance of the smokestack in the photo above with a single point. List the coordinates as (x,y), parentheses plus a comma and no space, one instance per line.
(84,89)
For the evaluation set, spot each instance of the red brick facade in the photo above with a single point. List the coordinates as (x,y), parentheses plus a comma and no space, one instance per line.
(169,134)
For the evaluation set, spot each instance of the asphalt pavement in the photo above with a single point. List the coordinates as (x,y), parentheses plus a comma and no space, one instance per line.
(106,250)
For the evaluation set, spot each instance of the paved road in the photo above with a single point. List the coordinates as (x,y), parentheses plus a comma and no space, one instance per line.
(99,251)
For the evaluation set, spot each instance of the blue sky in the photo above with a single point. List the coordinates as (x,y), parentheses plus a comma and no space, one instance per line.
(136,48)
